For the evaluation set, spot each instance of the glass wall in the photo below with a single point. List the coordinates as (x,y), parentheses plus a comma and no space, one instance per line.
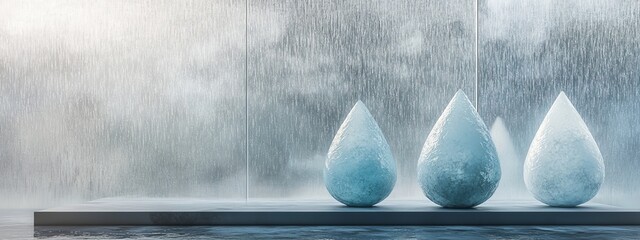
(241,99)
(121,98)
(311,61)
(529,51)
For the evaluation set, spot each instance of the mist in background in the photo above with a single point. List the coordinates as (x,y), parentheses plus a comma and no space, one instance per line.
(112,98)
(176,98)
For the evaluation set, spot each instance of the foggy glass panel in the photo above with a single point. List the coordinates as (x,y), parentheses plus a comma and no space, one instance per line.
(529,51)
(121,98)
(310,61)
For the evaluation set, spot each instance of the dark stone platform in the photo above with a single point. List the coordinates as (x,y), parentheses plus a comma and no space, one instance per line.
(188,211)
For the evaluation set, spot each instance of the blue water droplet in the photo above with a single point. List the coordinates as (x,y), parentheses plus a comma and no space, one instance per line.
(360,170)
(458,166)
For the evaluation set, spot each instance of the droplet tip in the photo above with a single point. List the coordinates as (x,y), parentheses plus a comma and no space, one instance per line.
(562,94)
(359,104)
(460,95)
(562,97)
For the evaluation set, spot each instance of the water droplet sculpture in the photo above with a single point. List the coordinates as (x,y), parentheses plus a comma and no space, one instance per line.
(458,166)
(511,164)
(360,170)
(564,167)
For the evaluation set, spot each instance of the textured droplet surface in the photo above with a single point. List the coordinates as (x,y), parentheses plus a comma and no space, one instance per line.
(564,167)
(458,166)
(360,170)
(511,164)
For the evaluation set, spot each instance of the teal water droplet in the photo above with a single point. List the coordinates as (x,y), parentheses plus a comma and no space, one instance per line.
(458,166)
(360,170)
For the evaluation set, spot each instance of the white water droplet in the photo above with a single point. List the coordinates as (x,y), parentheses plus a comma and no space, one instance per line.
(564,167)
(360,170)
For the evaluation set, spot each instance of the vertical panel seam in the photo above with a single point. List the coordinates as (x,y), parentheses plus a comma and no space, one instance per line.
(477,81)
(246,96)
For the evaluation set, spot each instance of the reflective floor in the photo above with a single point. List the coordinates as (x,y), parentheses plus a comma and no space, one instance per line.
(18,224)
